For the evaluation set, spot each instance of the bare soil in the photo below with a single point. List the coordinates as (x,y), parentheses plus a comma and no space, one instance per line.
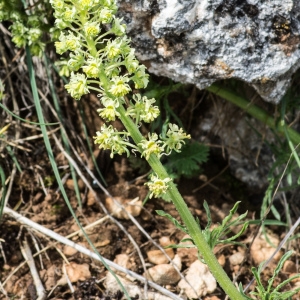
(35,194)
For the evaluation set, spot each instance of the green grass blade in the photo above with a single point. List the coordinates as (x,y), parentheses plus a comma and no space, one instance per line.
(253,110)
(89,145)
(3,191)
(23,120)
(53,163)
(13,157)
(64,139)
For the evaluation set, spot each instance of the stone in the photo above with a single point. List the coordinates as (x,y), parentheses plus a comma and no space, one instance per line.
(165,241)
(289,267)
(69,251)
(163,274)
(118,207)
(187,255)
(78,271)
(132,288)
(198,281)
(222,260)
(249,157)
(70,184)
(157,257)
(261,250)
(202,41)
(236,258)
(177,262)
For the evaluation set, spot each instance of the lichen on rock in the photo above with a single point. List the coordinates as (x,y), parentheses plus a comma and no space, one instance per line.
(202,41)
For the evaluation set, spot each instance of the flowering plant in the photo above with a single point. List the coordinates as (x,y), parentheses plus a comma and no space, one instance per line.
(109,67)
(26,29)
(101,60)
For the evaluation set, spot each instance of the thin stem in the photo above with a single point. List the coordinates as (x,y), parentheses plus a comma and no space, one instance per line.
(254,111)
(184,212)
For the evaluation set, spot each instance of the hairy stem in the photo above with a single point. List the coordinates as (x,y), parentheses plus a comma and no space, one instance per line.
(184,212)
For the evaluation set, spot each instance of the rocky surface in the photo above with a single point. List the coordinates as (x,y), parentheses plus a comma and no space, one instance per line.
(202,41)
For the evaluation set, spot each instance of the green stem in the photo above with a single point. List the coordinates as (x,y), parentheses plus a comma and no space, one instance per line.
(188,219)
(254,111)
(184,212)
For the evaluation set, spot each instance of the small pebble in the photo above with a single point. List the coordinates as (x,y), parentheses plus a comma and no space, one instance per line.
(236,258)
(289,267)
(157,257)
(163,274)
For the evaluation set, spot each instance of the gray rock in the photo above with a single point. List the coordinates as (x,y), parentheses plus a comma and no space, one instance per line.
(202,41)
(249,157)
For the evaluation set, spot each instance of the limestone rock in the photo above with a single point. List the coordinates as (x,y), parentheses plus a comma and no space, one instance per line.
(132,288)
(199,281)
(78,271)
(163,274)
(262,250)
(158,257)
(202,41)
(118,207)
(236,258)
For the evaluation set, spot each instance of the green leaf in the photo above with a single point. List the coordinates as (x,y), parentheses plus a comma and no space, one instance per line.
(173,220)
(188,160)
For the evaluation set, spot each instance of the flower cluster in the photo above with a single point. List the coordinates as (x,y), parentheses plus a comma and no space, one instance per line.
(81,26)
(110,138)
(158,187)
(77,86)
(173,141)
(142,109)
(175,138)
(25,29)
(151,146)
(101,59)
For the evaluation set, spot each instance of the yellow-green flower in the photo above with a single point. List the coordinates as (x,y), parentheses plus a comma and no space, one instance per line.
(140,77)
(175,138)
(77,86)
(118,28)
(72,42)
(131,63)
(109,113)
(110,138)
(104,136)
(106,15)
(20,40)
(57,4)
(34,34)
(19,32)
(113,49)
(158,186)
(91,29)
(119,87)
(60,47)
(84,4)
(76,61)
(61,24)
(64,71)
(37,48)
(69,14)
(143,109)
(151,146)
(92,67)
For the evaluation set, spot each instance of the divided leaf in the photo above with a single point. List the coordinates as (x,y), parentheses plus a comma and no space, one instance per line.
(188,161)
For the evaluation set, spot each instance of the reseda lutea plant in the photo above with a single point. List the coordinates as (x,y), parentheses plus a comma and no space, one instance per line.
(101,60)
(109,66)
